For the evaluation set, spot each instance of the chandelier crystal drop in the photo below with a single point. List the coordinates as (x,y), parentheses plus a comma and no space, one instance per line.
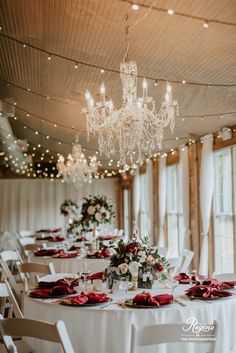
(76,168)
(137,128)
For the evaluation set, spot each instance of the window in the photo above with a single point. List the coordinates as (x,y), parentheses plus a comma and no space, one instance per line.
(173,209)
(223,211)
(126,205)
(144,226)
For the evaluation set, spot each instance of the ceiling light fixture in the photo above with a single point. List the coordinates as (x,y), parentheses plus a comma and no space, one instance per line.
(137,126)
(76,168)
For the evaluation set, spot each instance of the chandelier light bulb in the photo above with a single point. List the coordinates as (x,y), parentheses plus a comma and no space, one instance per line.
(87,95)
(102,88)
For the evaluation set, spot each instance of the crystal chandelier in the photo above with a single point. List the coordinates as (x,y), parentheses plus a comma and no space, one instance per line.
(76,168)
(135,129)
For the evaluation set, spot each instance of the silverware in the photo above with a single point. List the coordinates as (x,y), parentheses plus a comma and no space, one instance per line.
(179,302)
(105,305)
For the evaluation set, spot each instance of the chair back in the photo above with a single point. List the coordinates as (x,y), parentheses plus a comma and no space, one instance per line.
(187,258)
(164,333)
(11,255)
(176,263)
(25,233)
(7,275)
(26,241)
(21,327)
(12,305)
(26,270)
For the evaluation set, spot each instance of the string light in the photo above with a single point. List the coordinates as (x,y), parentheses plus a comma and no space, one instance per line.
(170,12)
(135,7)
(205,25)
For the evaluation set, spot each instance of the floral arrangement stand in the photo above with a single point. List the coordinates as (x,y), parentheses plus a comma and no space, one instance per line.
(96,210)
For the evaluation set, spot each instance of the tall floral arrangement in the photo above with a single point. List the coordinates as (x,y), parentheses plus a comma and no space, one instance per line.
(69,207)
(131,256)
(96,210)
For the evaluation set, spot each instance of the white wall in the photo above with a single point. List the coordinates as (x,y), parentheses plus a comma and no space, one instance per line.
(34,203)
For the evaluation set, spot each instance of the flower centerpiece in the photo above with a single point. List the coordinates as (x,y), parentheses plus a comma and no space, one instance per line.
(137,256)
(74,227)
(96,210)
(69,208)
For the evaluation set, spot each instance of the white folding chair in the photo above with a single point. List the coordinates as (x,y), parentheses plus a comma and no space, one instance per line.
(25,233)
(9,302)
(187,258)
(225,276)
(164,333)
(27,269)
(21,327)
(7,275)
(22,243)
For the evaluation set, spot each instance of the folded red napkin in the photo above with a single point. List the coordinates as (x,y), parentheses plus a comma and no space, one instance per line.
(81,239)
(207,292)
(59,282)
(74,248)
(89,298)
(105,237)
(184,278)
(56,230)
(101,254)
(148,300)
(214,283)
(46,252)
(64,255)
(56,291)
(56,239)
(97,275)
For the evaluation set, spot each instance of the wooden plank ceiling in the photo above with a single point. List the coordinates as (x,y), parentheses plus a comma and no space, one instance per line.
(92,31)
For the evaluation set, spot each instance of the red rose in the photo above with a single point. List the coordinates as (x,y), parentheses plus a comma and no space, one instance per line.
(131,248)
(160,267)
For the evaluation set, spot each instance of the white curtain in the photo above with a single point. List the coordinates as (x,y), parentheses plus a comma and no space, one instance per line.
(162,200)
(136,200)
(33,204)
(206,194)
(149,173)
(184,241)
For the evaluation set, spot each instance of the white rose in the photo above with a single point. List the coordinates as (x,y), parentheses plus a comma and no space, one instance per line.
(98,216)
(103,210)
(133,268)
(98,207)
(142,256)
(91,210)
(123,268)
(107,214)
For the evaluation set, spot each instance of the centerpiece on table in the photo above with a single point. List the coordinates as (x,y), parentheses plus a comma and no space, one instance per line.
(69,210)
(96,210)
(139,262)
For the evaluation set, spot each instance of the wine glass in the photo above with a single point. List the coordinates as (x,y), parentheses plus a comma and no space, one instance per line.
(200,278)
(69,279)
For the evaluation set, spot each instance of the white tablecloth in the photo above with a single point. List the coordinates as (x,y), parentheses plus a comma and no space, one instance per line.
(73,265)
(107,330)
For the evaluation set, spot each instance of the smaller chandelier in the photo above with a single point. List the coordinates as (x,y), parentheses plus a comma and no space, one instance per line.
(76,168)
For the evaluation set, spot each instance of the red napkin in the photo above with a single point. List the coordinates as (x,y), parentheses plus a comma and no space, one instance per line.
(97,275)
(81,239)
(207,292)
(101,254)
(214,283)
(59,282)
(56,239)
(64,255)
(148,300)
(73,248)
(46,252)
(184,278)
(90,298)
(56,230)
(105,237)
(56,291)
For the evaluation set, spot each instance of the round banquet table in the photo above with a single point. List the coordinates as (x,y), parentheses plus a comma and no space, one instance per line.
(108,329)
(73,265)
